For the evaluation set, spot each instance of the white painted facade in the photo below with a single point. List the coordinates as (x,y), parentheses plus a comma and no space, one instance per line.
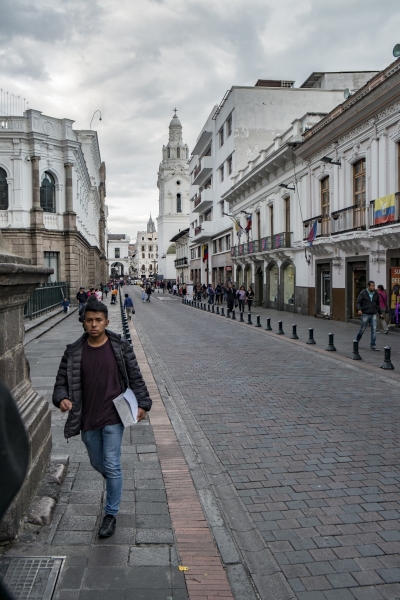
(118,254)
(146,261)
(56,143)
(182,263)
(247,121)
(362,134)
(173,185)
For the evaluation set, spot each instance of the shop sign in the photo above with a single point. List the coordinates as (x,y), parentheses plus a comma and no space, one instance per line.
(395,288)
(228,268)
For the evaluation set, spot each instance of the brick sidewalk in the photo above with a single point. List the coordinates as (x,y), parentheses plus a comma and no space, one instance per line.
(310,443)
(140,560)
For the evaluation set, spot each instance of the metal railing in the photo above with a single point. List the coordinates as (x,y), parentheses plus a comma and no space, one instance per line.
(197,200)
(45,298)
(395,218)
(179,262)
(323,226)
(265,244)
(351,218)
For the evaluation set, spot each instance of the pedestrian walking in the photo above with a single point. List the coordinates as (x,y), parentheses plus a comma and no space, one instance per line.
(148,292)
(144,294)
(230,297)
(184,290)
(82,298)
(128,306)
(368,307)
(96,369)
(174,288)
(210,293)
(105,291)
(218,293)
(249,297)
(99,294)
(162,286)
(241,296)
(66,304)
(383,303)
(114,295)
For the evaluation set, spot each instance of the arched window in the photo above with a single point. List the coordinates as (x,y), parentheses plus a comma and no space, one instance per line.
(178,152)
(3,190)
(168,152)
(48,193)
(178,203)
(143,268)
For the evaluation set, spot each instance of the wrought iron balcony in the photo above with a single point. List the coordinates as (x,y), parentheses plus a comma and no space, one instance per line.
(351,218)
(265,244)
(323,226)
(181,262)
(395,218)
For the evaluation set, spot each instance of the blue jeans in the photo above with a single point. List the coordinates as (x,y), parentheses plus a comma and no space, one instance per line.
(104,449)
(365,319)
(81,307)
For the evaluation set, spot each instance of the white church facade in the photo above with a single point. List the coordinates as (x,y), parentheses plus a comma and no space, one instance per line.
(173,184)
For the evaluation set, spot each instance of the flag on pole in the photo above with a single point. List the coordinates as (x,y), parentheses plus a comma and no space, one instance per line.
(313,233)
(205,253)
(249,222)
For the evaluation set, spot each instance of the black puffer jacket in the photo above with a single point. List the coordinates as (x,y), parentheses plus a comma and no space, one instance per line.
(68,380)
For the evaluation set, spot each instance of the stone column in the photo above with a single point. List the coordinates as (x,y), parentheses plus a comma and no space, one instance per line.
(36,214)
(70,228)
(69,214)
(18,279)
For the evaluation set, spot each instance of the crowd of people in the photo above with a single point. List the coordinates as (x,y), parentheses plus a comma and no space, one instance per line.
(223,293)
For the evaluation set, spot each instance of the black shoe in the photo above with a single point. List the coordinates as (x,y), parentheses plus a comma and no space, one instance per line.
(375,348)
(107,527)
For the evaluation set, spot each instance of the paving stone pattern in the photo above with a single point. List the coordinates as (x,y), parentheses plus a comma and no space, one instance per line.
(311,445)
(140,561)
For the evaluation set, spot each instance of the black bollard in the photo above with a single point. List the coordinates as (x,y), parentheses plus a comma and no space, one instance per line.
(249,322)
(387,363)
(356,355)
(310,336)
(331,346)
(183,300)
(258,324)
(294,335)
(222,311)
(209,308)
(228,315)
(280,329)
(217,310)
(241,320)
(233,316)
(205,306)
(212,308)
(268,327)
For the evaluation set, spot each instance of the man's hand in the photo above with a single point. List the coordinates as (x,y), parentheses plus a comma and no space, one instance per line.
(141,414)
(65,405)
(360,312)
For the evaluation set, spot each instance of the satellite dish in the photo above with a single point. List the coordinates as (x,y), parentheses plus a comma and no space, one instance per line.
(396,51)
(347,93)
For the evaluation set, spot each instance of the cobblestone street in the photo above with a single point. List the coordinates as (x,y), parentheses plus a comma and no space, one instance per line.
(309,442)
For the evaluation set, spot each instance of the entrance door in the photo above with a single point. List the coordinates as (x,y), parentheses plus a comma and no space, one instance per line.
(359,284)
(325,290)
(259,287)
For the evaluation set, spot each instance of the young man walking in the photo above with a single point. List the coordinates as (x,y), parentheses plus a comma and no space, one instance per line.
(82,298)
(95,370)
(128,306)
(368,307)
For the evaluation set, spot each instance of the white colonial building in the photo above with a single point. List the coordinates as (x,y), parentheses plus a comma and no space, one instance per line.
(118,254)
(147,252)
(324,201)
(181,241)
(173,185)
(52,196)
(248,121)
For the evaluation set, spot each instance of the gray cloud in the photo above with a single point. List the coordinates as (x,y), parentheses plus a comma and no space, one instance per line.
(136,59)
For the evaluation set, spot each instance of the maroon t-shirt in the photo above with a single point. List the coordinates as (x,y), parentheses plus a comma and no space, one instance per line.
(100,385)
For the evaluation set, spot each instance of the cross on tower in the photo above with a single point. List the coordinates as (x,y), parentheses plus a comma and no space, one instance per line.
(175,111)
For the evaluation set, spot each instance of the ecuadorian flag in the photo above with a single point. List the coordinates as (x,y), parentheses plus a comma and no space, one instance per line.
(384,209)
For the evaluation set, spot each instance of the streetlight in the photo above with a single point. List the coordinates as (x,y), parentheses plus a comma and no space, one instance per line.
(100,118)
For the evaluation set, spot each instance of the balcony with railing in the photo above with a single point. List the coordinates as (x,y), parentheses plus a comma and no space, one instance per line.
(181,262)
(203,201)
(351,218)
(378,220)
(202,170)
(323,226)
(203,231)
(265,244)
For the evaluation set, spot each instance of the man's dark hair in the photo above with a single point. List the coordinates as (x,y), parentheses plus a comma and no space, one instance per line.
(369,282)
(96,306)
(126,295)
(380,287)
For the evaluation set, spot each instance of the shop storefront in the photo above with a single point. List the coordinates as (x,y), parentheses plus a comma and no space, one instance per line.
(272,276)
(288,286)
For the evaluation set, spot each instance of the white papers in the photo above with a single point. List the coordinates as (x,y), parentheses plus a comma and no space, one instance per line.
(133,403)
(127,407)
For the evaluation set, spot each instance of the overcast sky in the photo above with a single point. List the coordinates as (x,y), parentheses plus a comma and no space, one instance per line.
(136,60)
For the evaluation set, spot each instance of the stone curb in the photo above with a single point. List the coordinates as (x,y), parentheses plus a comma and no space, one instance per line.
(42,332)
(43,504)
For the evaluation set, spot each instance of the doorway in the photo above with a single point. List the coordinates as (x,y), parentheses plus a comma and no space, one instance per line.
(325,282)
(359,284)
(259,291)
